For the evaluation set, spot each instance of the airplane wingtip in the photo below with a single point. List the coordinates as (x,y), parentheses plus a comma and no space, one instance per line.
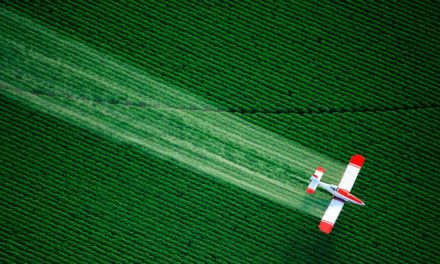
(357,160)
(310,190)
(326,227)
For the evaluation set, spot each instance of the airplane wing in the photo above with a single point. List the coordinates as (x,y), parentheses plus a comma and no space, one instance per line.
(334,209)
(330,215)
(351,172)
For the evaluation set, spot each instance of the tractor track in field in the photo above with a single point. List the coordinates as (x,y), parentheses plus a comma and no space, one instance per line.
(145,105)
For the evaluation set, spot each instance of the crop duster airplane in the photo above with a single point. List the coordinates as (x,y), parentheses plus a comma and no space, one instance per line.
(341,193)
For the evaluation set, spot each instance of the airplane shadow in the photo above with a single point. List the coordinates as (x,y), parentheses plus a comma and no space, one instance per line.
(320,245)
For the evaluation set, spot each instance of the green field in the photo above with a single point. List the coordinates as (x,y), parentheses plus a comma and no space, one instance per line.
(186,131)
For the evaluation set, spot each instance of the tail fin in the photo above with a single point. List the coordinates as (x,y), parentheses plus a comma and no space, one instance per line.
(314,180)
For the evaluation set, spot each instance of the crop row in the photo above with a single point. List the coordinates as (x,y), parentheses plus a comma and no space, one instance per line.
(234,86)
(83,154)
(388,174)
(305,101)
(87,155)
(66,168)
(50,80)
(181,7)
(380,136)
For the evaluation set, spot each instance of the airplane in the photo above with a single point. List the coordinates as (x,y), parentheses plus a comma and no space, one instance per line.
(341,193)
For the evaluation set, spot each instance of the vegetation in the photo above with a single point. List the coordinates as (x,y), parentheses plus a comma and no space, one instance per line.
(115,118)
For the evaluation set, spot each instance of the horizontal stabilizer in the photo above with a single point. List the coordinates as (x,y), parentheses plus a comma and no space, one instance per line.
(315,179)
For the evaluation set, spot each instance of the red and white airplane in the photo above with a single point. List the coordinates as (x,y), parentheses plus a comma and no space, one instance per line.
(341,193)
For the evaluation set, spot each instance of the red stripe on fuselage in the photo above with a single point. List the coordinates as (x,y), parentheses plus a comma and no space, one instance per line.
(349,196)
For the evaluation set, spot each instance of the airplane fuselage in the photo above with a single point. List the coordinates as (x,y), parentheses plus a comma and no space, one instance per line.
(341,194)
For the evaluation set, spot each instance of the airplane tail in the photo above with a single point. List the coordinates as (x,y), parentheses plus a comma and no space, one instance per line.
(315,179)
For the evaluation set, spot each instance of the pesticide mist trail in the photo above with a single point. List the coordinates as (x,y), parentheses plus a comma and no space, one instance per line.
(69,80)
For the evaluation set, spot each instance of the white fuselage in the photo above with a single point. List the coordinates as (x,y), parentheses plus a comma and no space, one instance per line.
(331,188)
(341,194)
